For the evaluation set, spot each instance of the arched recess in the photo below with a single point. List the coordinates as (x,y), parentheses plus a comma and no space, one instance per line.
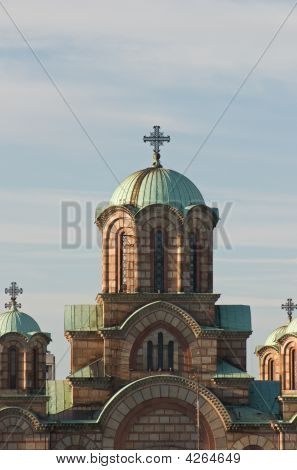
(159,314)
(20,427)
(177,398)
(119,220)
(290,364)
(253,440)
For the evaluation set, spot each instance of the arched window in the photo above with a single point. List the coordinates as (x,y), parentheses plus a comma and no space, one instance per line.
(35,369)
(160,351)
(270,369)
(193,262)
(292,368)
(13,367)
(159,261)
(149,356)
(170,356)
(123,261)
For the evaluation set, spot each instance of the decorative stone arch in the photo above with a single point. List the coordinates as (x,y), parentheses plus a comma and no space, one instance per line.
(253,440)
(18,418)
(120,411)
(152,316)
(76,442)
(155,211)
(111,214)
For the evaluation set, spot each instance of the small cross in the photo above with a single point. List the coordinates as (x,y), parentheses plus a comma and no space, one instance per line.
(289,306)
(156,139)
(13,291)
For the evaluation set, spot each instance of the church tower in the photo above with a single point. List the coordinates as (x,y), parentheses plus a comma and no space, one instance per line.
(156,341)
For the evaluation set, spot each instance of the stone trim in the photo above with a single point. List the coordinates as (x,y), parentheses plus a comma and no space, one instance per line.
(21,413)
(161,305)
(165,296)
(112,404)
(253,439)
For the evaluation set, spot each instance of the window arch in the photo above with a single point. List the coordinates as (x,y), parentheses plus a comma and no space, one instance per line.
(159,261)
(150,364)
(171,356)
(160,351)
(292,369)
(270,369)
(35,367)
(193,262)
(13,359)
(122,261)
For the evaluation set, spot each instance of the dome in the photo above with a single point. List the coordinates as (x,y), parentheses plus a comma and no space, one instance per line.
(157,185)
(275,335)
(14,321)
(292,327)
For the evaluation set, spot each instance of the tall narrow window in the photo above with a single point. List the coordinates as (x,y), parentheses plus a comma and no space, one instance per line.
(13,367)
(292,369)
(160,351)
(193,262)
(271,369)
(159,261)
(35,369)
(149,356)
(123,262)
(170,355)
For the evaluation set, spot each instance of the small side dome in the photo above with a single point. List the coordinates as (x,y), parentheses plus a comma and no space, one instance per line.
(275,335)
(292,327)
(157,185)
(14,321)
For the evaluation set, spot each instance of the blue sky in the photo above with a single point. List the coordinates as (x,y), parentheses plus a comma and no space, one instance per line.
(123,67)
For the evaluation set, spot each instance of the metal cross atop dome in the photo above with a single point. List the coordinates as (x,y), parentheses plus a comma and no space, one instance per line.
(289,306)
(13,291)
(156,139)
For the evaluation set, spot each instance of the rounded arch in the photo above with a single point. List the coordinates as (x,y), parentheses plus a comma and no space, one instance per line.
(253,440)
(76,442)
(13,418)
(164,389)
(166,311)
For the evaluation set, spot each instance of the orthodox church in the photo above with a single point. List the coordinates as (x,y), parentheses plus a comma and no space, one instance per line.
(156,362)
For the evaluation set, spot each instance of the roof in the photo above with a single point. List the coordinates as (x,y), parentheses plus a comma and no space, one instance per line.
(275,335)
(14,321)
(264,396)
(83,317)
(292,327)
(157,185)
(225,370)
(234,317)
(60,395)
(95,369)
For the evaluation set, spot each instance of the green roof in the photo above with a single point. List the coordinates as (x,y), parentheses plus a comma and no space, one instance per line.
(83,317)
(60,395)
(275,335)
(95,369)
(157,185)
(292,327)
(263,395)
(234,317)
(225,370)
(14,321)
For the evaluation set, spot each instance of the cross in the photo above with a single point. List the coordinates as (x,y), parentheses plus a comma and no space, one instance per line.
(156,138)
(13,291)
(289,306)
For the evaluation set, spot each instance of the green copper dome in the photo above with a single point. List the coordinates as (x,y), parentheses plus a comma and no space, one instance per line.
(275,335)
(14,321)
(157,185)
(292,327)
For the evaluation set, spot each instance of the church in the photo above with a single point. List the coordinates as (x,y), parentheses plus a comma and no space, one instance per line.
(156,361)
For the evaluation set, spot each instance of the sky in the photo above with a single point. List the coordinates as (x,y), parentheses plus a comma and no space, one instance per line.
(120,68)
